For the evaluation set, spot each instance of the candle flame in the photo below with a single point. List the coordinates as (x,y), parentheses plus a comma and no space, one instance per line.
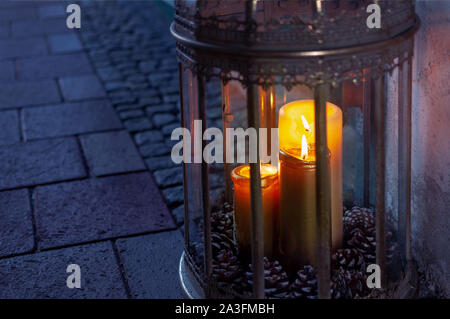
(304,151)
(305,123)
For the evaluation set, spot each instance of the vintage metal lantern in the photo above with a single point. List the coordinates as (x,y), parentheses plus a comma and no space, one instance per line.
(318,198)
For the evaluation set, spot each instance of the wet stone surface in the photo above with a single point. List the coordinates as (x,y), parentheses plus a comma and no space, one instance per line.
(16,233)
(150,264)
(43,275)
(83,113)
(39,162)
(89,210)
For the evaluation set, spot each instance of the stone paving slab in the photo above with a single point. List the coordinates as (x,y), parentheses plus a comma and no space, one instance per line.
(159,162)
(16,231)
(46,67)
(19,11)
(178,215)
(174,195)
(69,119)
(155,149)
(94,209)
(64,43)
(9,127)
(39,27)
(39,162)
(21,94)
(82,87)
(169,177)
(148,137)
(4,30)
(6,70)
(43,275)
(13,48)
(12,4)
(111,153)
(151,264)
(51,10)
(138,124)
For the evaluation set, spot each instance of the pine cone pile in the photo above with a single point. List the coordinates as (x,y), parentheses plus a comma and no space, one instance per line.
(222,221)
(347,281)
(348,278)
(275,278)
(222,230)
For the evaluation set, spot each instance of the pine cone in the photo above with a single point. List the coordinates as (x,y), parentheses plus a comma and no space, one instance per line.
(359,232)
(228,271)
(348,258)
(220,242)
(348,284)
(275,279)
(222,221)
(366,245)
(225,266)
(358,218)
(304,285)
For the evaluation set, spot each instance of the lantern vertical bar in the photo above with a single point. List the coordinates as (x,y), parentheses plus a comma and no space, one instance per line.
(205,178)
(250,11)
(323,192)
(257,239)
(272,123)
(404,161)
(380,164)
(185,182)
(367,119)
(409,128)
(336,96)
(268,118)
(225,125)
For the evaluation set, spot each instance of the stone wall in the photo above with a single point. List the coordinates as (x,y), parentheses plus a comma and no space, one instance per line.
(431,144)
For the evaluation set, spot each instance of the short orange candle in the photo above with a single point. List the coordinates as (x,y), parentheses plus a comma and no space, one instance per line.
(242,213)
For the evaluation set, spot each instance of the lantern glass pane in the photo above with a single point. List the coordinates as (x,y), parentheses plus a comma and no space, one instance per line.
(193,175)
(353,143)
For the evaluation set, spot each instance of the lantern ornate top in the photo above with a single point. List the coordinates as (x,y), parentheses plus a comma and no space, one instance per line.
(260,39)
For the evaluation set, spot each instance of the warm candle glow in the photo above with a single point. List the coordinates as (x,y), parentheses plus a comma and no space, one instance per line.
(297,178)
(265,171)
(242,208)
(297,119)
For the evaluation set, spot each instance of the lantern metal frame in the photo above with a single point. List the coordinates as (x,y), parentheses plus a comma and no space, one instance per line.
(330,51)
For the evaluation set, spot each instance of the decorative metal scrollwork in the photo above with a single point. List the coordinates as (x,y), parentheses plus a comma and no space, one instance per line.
(315,46)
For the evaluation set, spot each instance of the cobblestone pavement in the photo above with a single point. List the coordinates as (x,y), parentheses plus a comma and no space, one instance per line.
(86,175)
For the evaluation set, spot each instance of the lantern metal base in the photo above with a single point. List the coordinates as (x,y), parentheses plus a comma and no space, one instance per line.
(190,285)
(406,288)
